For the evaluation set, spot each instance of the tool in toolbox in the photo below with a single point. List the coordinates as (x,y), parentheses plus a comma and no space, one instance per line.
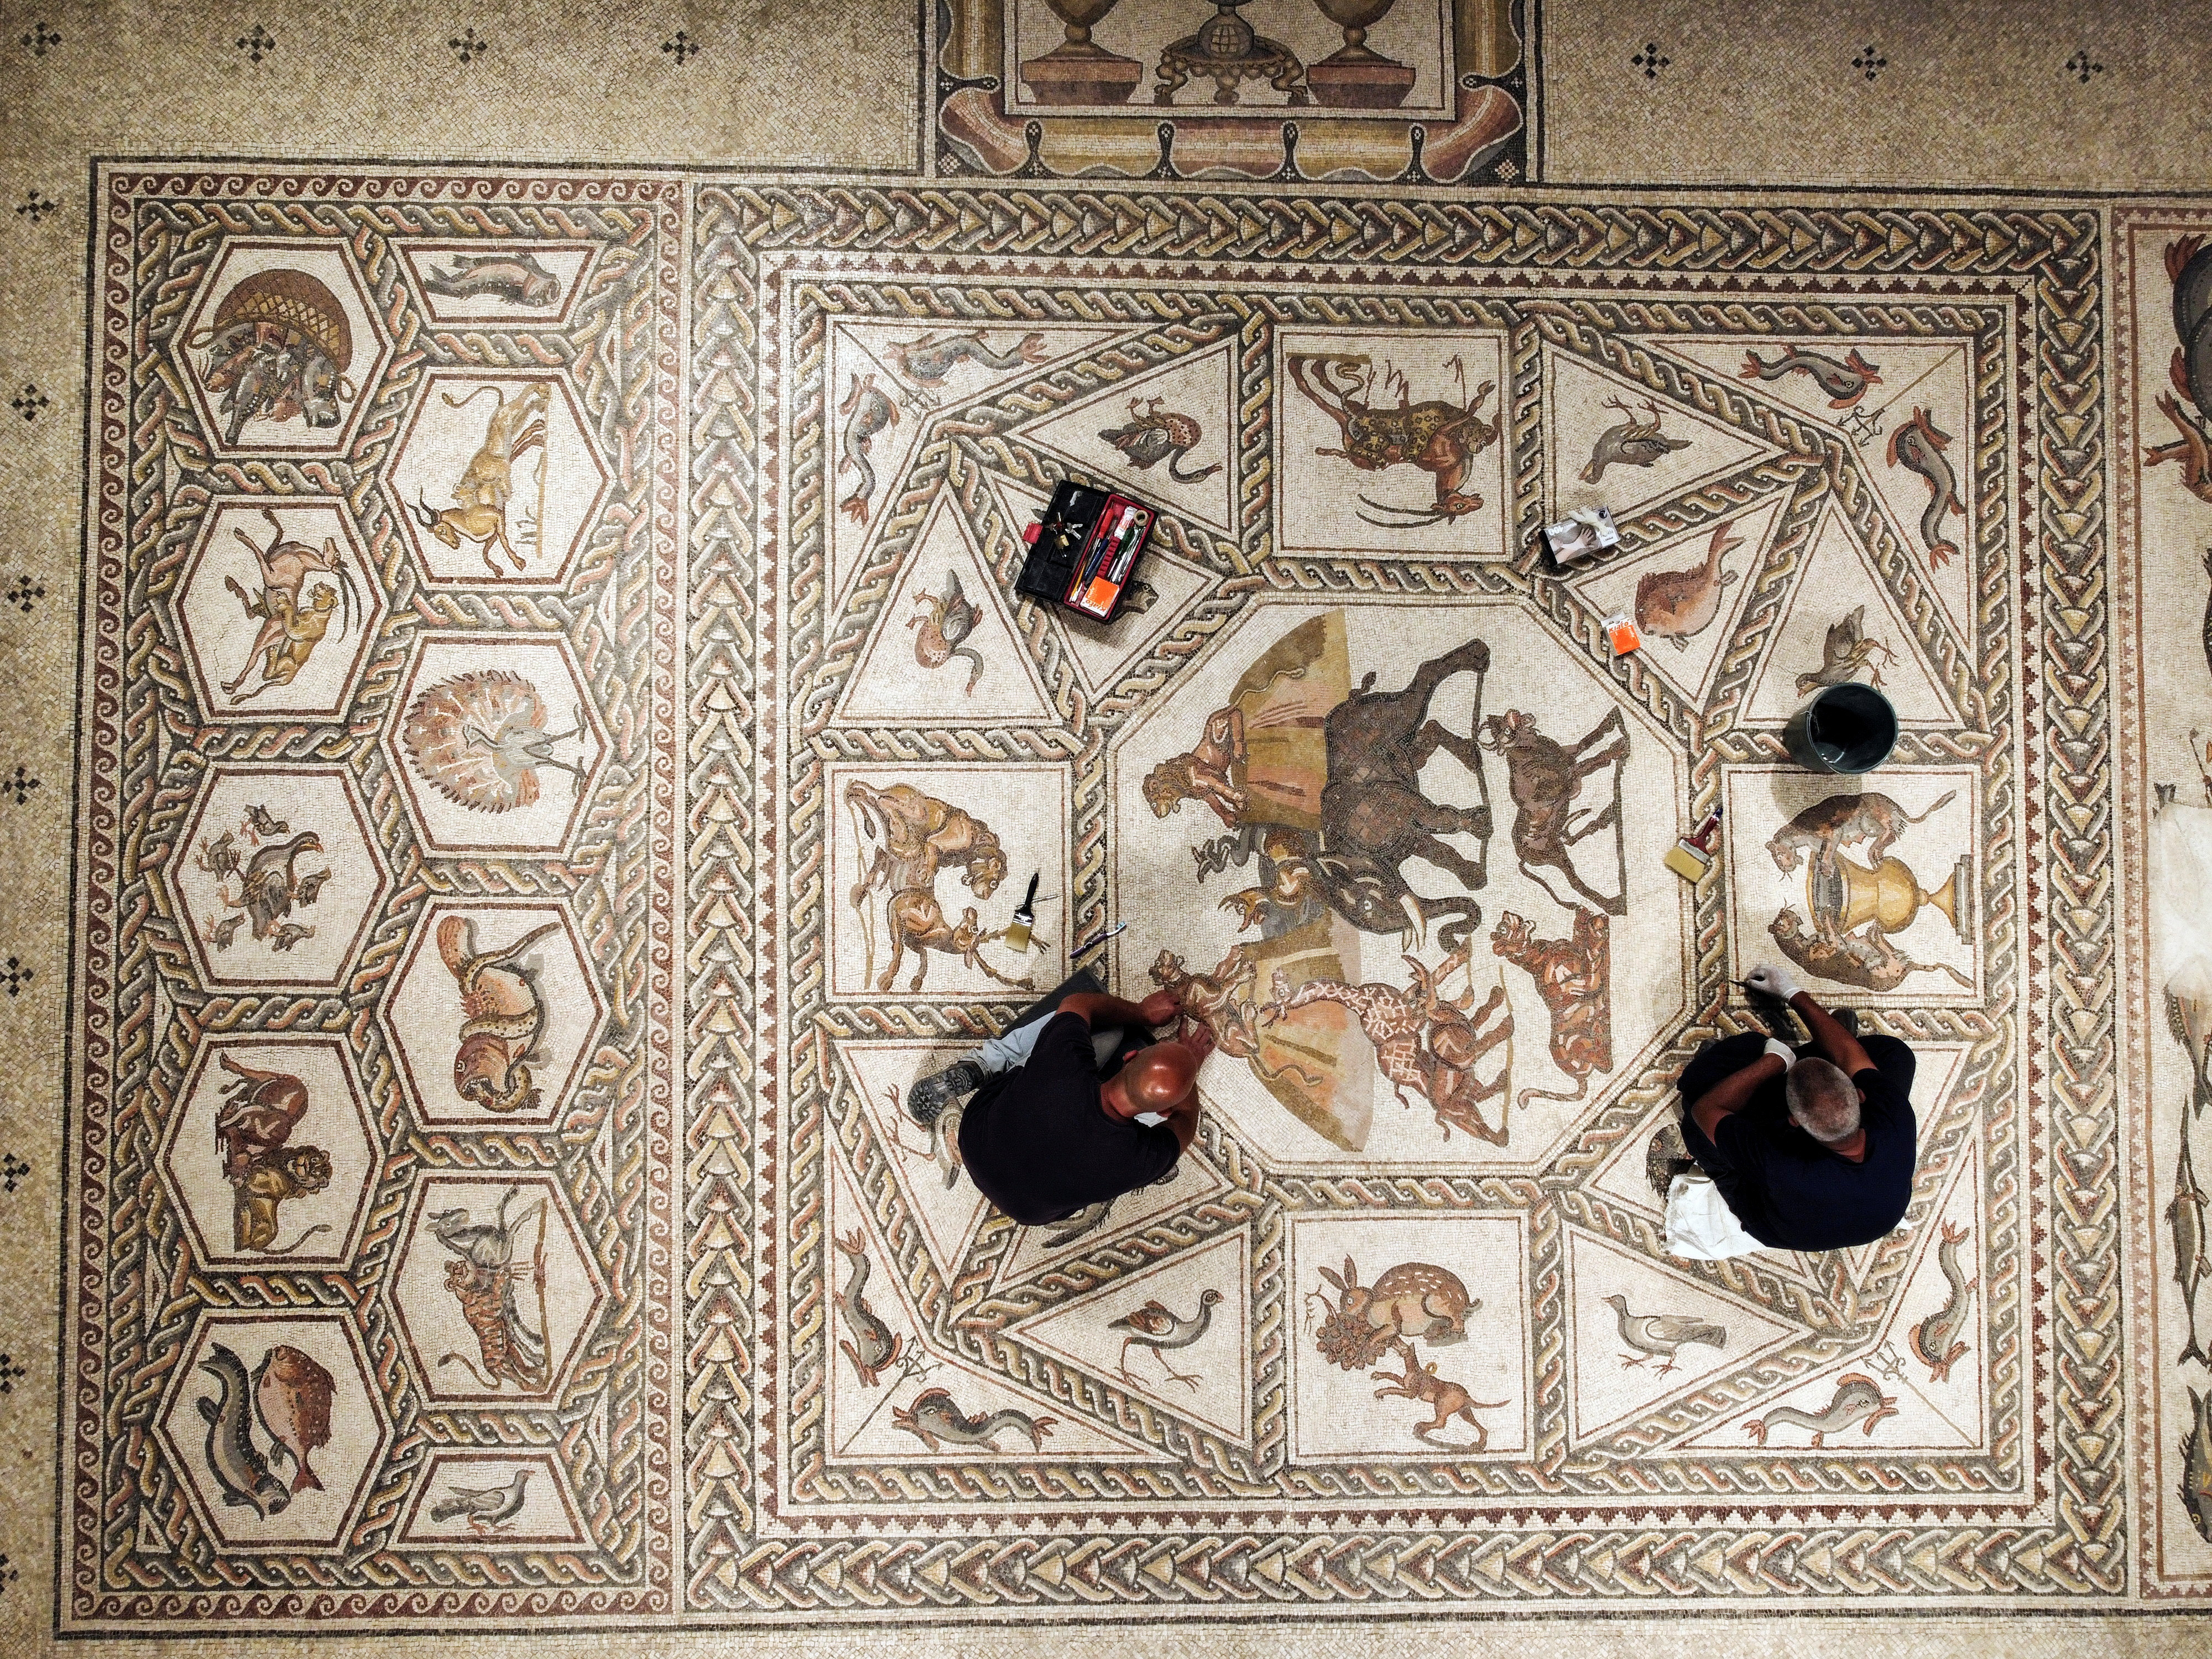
(1084,551)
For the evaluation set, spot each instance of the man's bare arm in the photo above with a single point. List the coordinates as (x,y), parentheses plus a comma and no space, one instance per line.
(1837,1046)
(1182,1121)
(1734,1092)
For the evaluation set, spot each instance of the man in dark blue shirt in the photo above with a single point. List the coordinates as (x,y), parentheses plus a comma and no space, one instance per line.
(1074,1106)
(1812,1149)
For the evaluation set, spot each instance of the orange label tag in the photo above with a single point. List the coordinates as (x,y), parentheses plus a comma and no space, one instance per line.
(1622,634)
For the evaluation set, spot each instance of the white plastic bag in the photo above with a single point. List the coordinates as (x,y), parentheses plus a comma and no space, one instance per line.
(1700,1226)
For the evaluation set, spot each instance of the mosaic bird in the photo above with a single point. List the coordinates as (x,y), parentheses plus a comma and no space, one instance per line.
(268,887)
(1632,442)
(1845,650)
(944,621)
(1661,1333)
(1087,1219)
(1153,1326)
(487,1508)
(480,737)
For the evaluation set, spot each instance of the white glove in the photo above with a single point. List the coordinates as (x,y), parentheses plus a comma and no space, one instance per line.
(1772,981)
(1788,1055)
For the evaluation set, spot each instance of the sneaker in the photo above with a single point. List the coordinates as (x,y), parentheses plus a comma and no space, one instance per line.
(932,1094)
(1779,1017)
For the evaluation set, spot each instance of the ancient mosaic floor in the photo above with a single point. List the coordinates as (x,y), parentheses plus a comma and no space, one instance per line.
(561,748)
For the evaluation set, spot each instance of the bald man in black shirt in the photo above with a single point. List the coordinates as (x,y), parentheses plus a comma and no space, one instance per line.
(1074,1106)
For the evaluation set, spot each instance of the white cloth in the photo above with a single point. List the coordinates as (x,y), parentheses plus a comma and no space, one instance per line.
(2180,876)
(1700,1226)
(1003,1053)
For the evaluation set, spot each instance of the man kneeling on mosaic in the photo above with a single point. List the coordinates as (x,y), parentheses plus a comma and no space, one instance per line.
(1812,1148)
(1075,1105)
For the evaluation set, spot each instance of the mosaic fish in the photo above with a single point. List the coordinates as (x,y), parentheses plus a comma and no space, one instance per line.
(873,1349)
(933,1418)
(291,1392)
(517,278)
(933,357)
(866,413)
(1934,1339)
(2188,264)
(2186,1217)
(2197,1465)
(1845,383)
(1917,446)
(1856,1397)
(1673,605)
(232,1457)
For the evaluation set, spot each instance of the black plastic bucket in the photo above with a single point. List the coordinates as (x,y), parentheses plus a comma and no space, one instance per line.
(1847,728)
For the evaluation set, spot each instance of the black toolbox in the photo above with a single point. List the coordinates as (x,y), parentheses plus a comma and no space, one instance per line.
(1086,552)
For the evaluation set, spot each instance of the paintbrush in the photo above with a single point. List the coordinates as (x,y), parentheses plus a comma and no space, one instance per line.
(1018,935)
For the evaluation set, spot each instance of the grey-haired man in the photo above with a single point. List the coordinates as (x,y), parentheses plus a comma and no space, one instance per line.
(1812,1149)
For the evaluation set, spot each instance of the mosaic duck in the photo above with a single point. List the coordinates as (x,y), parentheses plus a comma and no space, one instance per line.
(944,621)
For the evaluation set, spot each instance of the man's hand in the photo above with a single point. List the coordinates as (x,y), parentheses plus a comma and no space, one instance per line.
(1199,1040)
(1160,1007)
(1772,982)
(1783,1051)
